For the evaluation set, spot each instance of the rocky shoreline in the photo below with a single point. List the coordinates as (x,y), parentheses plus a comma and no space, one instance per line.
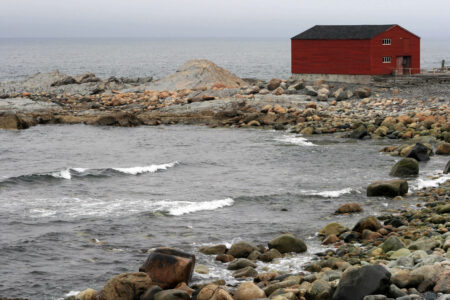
(401,255)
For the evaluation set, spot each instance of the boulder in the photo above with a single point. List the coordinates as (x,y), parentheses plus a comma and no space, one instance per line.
(392,243)
(168,267)
(273,84)
(286,243)
(388,188)
(370,223)
(355,284)
(268,290)
(270,255)
(213,250)
(332,228)
(245,272)
(358,133)
(241,250)
(363,92)
(319,290)
(298,85)
(11,121)
(240,264)
(88,294)
(248,291)
(213,292)
(150,293)
(443,149)
(403,278)
(340,94)
(310,91)
(348,208)
(224,258)
(405,167)
(128,286)
(419,152)
(331,239)
(278,91)
(424,243)
(443,283)
(172,295)
(447,168)
(196,74)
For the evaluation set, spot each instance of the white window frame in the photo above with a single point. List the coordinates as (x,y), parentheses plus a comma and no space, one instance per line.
(387,59)
(386,42)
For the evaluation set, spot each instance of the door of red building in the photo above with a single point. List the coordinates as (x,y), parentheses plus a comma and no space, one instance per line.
(399,65)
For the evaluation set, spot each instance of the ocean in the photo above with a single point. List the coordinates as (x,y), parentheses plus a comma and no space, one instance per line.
(247,58)
(80,204)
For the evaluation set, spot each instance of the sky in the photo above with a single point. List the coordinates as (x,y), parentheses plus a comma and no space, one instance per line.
(213,18)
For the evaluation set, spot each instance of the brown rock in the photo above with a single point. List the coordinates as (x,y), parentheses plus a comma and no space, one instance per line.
(278,91)
(370,223)
(369,235)
(11,121)
(311,105)
(184,287)
(213,292)
(331,239)
(245,272)
(88,294)
(273,84)
(128,286)
(213,250)
(443,149)
(169,267)
(443,283)
(349,208)
(241,250)
(279,110)
(248,291)
(224,258)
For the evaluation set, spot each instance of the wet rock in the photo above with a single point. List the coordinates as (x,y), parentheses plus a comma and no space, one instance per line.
(286,243)
(88,294)
(319,290)
(245,272)
(268,290)
(331,239)
(254,255)
(348,208)
(273,84)
(201,269)
(240,264)
(400,253)
(443,283)
(150,293)
(241,250)
(370,223)
(359,133)
(395,291)
(128,286)
(11,121)
(168,267)
(387,188)
(270,255)
(298,85)
(122,119)
(213,292)
(172,295)
(213,250)
(224,258)
(405,167)
(443,149)
(248,291)
(419,152)
(355,284)
(332,228)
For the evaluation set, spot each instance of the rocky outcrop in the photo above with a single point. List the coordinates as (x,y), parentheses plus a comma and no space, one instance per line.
(169,267)
(196,74)
(388,188)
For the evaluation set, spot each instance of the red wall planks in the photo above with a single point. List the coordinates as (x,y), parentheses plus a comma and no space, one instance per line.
(356,57)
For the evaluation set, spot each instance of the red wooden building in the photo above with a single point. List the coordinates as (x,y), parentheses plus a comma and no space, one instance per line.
(356,50)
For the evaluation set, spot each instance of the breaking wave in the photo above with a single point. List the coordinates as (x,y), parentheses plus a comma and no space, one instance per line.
(178,208)
(295,140)
(329,194)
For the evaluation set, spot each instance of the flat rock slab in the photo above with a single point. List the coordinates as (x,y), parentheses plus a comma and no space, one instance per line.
(26,105)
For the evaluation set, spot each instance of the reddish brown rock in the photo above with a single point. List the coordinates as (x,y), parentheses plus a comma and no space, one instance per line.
(128,286)
(169,267)
(224,258)
(443,149)
(349,208)
(273,84)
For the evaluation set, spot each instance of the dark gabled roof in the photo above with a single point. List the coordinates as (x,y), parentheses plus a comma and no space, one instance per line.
(342,32)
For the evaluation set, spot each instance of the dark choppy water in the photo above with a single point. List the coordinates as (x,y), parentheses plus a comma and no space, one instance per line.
(143,57)
(61,187)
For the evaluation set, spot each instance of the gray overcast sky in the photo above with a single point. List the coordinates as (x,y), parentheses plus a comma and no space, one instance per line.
(211,18)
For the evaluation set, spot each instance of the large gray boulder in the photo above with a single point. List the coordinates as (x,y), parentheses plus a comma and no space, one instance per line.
(405,167)
(197,74)
(388,188)
(355,284)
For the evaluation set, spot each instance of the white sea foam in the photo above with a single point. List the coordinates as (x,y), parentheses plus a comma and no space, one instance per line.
(80,170)
(178,208)
(65,174)
(145,169)
(328,194)
(295,140)
(433,182)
